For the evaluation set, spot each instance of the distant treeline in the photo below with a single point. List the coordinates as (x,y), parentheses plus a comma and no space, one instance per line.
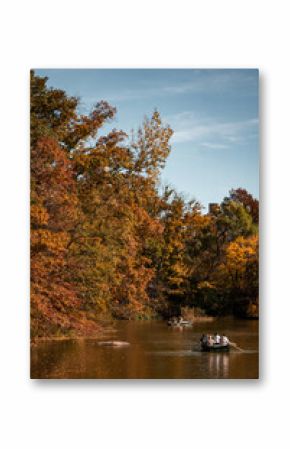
(108,242)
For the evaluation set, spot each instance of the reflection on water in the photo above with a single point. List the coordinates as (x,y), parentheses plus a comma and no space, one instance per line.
(156,351)
(218,365)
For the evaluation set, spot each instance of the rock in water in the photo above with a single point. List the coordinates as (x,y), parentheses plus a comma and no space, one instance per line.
(114,343)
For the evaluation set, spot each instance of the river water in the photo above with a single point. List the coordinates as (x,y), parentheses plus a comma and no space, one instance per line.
(156,351)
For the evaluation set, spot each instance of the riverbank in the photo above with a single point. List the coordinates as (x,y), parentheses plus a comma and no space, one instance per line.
(101,333)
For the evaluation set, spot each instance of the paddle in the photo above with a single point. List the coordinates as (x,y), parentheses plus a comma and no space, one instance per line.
(234,345)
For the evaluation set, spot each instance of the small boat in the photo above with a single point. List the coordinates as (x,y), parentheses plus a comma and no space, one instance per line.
(216,347)
(182,323)
(185,323)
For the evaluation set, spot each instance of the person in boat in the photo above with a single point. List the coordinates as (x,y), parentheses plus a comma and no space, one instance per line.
(224,340)
(210,340)
(217,339)
(203,339)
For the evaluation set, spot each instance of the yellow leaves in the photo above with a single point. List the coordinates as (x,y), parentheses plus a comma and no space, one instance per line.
(201,221)
(238,269)
(38,215)
(240,264)
(52,242)
(240,252)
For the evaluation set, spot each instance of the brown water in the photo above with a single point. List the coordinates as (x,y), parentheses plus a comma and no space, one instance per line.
(156,351)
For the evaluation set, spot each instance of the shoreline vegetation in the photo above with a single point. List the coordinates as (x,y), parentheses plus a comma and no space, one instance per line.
(196,315)
(108,242)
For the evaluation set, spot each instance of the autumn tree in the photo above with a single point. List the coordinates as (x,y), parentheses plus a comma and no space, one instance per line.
(250,203)
(238,275)
(207,251)
(53,215)
(56,305)
(107,241)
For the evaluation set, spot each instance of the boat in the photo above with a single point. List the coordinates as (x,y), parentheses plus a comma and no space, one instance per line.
(182,323)
(216,347)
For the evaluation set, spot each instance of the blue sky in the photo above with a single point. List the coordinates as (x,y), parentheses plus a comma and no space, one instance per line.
(214,115)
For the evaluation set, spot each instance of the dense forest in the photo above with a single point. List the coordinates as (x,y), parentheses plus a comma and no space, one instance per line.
(109,242)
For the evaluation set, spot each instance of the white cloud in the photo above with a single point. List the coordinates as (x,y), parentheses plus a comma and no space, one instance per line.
(211,80)
(208,132)
(214,146)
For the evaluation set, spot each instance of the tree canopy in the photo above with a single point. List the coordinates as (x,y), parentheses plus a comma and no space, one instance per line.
(107,242)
